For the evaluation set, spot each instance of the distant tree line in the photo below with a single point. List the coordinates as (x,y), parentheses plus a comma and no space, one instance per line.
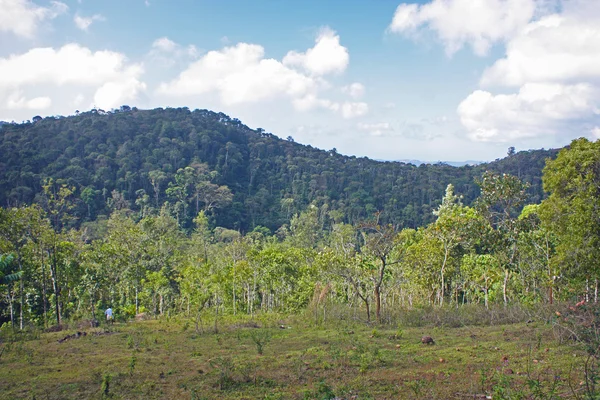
(189,161)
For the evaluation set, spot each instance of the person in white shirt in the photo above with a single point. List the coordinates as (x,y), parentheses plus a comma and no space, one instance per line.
(109,315)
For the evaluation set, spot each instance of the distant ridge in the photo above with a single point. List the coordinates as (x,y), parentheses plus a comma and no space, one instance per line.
(451,163)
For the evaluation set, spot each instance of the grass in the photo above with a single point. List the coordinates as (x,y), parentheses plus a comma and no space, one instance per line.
(164,359)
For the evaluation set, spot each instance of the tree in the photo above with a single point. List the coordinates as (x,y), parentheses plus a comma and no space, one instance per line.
(453,227)
(500,202)
(157,177)
(378,251)
(7,276)
(482,272)
(572,211)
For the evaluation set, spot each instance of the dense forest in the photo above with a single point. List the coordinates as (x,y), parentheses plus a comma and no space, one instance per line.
(200,160)
(172,211)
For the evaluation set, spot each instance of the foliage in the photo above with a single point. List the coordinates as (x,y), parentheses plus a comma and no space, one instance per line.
(201,160)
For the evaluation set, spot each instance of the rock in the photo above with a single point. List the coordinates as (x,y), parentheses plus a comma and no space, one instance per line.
(427,340)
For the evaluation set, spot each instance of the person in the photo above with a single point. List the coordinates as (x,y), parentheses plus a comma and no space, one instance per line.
(109,315)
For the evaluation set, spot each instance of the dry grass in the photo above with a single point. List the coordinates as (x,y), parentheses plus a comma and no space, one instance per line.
(164,359)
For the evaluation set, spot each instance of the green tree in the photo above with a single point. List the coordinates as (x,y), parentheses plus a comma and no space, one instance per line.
(572,211)
(501,200)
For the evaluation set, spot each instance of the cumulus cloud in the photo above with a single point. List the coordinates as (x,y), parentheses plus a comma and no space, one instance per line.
(71,67)
(537,109)
(354,109)
(355,90)
(241,74)
(165,47)
(16,101)
(327,56)
(456,23)
(555,64)
(23,17)
(557,48)
(165,44)
(376,129)
(84,23)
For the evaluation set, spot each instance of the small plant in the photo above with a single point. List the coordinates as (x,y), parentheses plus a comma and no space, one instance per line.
(324,391)
(399,334)
(261,338)
(132,363)
(417,386)
(130,342)
(225,368)
(248,371)
(105,386)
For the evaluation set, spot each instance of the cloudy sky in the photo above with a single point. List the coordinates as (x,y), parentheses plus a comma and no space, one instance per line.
(430,80)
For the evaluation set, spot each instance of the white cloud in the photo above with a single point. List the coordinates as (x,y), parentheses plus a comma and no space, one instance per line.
(537,109)
(311,101)
(71,64)
(327,56)
(23,17)
(478,23)
(376,129)
(165,44)
(78,100)
(595,131)
(355,90)
(115,93)
(84,23)
(353,110)
(166,48)
(240,74)
(16,101)
(557,48)
(555,64)
(73,68)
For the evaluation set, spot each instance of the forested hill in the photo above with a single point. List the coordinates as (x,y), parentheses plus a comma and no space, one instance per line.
(241,177)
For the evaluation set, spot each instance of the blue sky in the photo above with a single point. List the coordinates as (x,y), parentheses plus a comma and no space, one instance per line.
(431,80)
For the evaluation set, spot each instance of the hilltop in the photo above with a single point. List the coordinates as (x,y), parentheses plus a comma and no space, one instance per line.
(129,158)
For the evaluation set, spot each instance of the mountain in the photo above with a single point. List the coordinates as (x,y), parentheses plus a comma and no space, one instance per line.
(130,158)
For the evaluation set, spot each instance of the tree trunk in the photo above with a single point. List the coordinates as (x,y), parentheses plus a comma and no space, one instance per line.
(377,293)
(44,293)
(56,288)
(21,290)
(486,297)
(443,270)
(10,298)
(233,290)
(504,284)
(368,309)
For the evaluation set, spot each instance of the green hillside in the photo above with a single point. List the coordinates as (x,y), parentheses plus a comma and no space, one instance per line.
(130,158)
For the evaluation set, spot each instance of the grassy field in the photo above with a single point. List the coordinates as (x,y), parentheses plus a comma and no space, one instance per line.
(272,358)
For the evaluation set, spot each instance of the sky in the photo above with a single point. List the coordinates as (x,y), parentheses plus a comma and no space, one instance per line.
(430,80)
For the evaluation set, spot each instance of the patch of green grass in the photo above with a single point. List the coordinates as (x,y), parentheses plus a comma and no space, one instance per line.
(160,359)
